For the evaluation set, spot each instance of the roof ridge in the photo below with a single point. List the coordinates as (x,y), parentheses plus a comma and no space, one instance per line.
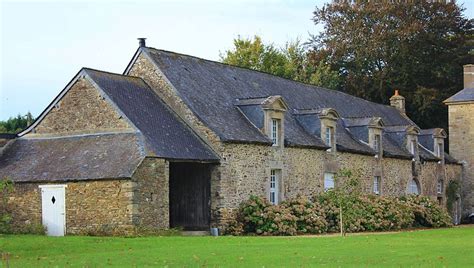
(111,73)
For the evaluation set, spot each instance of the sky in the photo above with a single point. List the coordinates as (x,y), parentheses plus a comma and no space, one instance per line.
(43,44)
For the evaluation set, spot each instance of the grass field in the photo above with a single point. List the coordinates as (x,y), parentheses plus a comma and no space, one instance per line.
(443,247)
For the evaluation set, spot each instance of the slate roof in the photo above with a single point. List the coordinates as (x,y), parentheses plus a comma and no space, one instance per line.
(466,94)
(211,89)
(90,157)
(166,136)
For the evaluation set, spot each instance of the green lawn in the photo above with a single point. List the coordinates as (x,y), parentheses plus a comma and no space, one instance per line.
(444,247)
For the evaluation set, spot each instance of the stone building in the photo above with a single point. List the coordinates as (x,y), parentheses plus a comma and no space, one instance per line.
(179,141)
(461,132)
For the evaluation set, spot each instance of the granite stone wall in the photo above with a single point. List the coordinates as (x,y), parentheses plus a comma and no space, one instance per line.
(461,147)
(151,194)
(82,110)
(91,206)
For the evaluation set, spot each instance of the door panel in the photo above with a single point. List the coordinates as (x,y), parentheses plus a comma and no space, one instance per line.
(190,196)
(53,209)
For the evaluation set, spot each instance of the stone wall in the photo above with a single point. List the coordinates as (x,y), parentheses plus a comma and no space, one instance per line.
(91,206)
(145,69)
(245,171)
(461,147)
(151,194)
(81,110)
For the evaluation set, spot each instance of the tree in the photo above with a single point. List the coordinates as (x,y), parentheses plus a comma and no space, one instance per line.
(16,124)
(415,46)
(291,62)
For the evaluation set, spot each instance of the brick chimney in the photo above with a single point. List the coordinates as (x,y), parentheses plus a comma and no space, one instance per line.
(398,101)
(469,76)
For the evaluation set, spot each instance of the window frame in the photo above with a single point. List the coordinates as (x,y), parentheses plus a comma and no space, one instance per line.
(329,176)
(440,150)
(329,137)
(274,191)
(376,189)
(440,187)
(413,147)
(377,143)
(414,184)
(275,131)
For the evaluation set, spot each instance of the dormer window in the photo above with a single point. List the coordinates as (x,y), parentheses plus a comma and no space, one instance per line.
(377,143)
(413,147)
(275,132)
(440,150)
(328,136)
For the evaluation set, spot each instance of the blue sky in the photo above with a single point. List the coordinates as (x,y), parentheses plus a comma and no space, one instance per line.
(44,44)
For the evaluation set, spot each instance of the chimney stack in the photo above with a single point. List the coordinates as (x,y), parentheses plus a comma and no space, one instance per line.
(398,101)
(141,42)
(469,76)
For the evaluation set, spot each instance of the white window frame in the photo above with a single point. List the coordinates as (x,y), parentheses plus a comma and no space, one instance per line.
(377,182)
(274,131)
(274,195)
(328,137)
(328,181)
(440,187)
(377,141)
(413,147)
(414,187)
(440,150)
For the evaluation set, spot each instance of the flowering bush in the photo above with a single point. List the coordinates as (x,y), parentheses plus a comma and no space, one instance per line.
(427,213)
(258,216)
(310,217)
(301,215)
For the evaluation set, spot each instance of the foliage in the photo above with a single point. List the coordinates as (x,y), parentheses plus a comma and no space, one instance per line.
(415,46)
(310,217)
(6,187)
(290,62)
(16,124)
(452,194)
(258,216)
(427,213)
(361,213)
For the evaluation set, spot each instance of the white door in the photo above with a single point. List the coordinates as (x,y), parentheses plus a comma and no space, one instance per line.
(53,209)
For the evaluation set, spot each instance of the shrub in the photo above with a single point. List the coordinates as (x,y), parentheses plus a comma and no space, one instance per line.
(310,217)
(360,213)
(258,216)
(427,213)
(6,187)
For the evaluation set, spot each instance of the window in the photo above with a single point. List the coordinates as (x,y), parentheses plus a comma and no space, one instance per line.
(377,185)
(377,143)
(440,150)
(413,187)
(274,131)
(328,136)
(274,186)
(440,187)
(413,147)
(328,181)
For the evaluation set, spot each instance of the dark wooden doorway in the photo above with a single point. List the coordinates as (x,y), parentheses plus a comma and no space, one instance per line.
(190,187)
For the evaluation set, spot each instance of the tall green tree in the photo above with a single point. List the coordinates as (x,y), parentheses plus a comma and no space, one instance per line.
(415,46)
(16,124)
(291,61)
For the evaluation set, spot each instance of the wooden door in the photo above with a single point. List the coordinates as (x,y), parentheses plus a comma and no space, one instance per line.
(190,196)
